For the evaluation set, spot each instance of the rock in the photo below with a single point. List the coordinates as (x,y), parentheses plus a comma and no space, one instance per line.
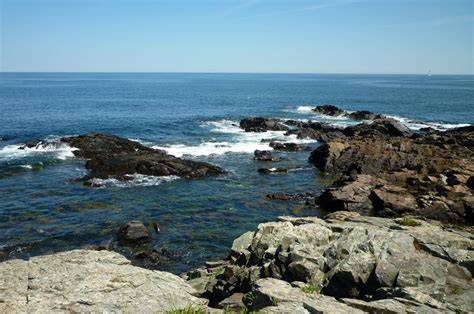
(368,263)
(406,175)
(322,132)
(264,155)
(364,115)
(381,126)
(292,147)
(90,281)
(233,303)
(112,156)
(31,143)
(271,292)
(272,170)
(329,110)
(133,233)
(262,125)
(285,197)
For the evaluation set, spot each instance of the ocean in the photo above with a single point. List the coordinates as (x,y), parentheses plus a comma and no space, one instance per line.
(44,206)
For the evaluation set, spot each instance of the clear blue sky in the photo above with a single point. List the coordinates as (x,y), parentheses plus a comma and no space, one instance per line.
(316,36)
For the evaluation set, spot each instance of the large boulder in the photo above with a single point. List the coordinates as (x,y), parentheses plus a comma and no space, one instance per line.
(380,126)
(90,281)
(113,156)
(364,115)
(259,124)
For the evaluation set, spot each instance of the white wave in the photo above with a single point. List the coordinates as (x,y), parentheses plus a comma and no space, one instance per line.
(417,125)
(242,142)
(60,150)
(305,109)
(133,180)
(29,167)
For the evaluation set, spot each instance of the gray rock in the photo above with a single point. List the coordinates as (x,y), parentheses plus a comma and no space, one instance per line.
(90,281)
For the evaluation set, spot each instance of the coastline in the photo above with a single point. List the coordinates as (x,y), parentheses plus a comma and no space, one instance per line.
(357,262)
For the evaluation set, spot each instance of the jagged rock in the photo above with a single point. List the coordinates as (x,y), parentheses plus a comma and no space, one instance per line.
(264,155)
(329,110)
(233,303)
(113,156)
(133,232)
(285,146)
(90,281)
(369,263)
(262,125)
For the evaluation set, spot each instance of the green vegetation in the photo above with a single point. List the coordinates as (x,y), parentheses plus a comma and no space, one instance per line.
(408,222)
(309,289)
(189,309)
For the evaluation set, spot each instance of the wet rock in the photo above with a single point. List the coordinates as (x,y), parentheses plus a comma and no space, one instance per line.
(291,147)
(112,156)
(264,155)
(285,197)
(259,124)
(364,115)
(133,233)
(31,143)
(381,126)
(329,110)
(90,281)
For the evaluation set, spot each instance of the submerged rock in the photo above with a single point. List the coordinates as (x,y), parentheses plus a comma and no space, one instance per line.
(113,156)
(133,233)
(90,281)
(259,124)
(265,155)
(286,197)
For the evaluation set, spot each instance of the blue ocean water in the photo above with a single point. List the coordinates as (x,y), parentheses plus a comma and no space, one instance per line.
(44,207)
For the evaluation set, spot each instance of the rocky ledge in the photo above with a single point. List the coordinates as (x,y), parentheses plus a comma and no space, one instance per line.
(112,156)
(90,281)
(346,263)
(429,175)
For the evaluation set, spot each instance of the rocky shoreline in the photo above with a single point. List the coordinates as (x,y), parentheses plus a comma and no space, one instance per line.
(398,239)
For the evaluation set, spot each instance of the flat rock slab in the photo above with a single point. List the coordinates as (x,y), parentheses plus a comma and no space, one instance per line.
(90,281)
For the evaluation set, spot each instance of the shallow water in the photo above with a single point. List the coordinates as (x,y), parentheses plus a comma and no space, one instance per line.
(44,207)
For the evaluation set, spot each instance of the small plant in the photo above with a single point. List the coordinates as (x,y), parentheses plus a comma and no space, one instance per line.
(309,289)
(408,222)
(189,309)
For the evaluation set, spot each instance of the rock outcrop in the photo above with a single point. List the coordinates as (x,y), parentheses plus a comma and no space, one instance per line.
(264,155)
(259,124)
(113,156)
(90,281)
(133,232)
(424,175)
(329,110)
(346,263)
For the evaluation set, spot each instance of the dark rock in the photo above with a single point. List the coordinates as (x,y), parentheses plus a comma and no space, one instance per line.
(381,126)
(470,182)
(233,303)
(329,110)
(364,115)
(264,155)
(292,147)
(285,197)
(262,125)
(133,233)
(112,156)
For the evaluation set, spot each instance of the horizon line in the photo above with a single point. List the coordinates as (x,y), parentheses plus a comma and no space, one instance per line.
(224,72)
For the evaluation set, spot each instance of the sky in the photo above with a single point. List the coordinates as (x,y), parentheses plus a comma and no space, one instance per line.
(269,36)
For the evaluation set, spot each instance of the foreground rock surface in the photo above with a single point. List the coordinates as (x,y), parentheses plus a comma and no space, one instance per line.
(90,281)
(347,263)
(113,156)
